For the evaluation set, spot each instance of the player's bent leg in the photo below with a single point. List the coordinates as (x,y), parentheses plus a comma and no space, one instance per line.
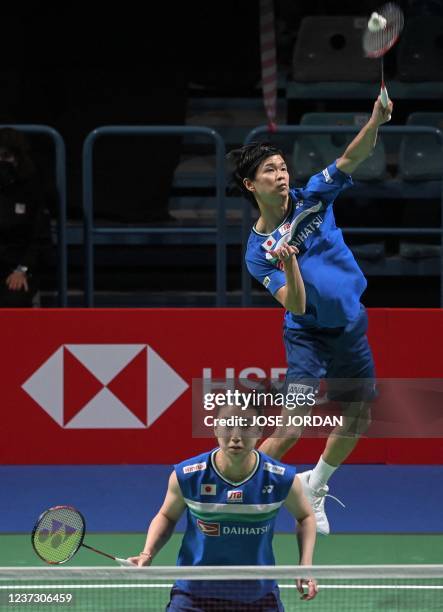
(344,438)
(285,437)
(340,443)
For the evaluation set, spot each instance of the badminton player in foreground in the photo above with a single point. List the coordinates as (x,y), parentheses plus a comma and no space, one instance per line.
(296,233)
(232,495)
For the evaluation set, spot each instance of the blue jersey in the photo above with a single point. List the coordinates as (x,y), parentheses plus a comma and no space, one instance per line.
(333,281)
(230,523)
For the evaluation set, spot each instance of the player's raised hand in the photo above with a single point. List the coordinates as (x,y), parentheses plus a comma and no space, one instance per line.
(311,585)
(285,252)
(380,114)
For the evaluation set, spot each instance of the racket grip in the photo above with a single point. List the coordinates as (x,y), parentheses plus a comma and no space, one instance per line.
(384,96)
(124,562)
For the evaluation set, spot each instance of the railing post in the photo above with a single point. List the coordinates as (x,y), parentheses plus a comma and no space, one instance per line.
(88,206)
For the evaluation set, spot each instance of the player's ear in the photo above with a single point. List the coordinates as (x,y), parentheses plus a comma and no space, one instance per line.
(248,184)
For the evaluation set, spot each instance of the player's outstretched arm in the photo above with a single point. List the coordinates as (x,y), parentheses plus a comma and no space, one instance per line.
(299,507)
(363,144)
(163,523)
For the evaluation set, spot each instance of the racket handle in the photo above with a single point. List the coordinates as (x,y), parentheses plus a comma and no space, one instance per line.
(124,562)
(384,96)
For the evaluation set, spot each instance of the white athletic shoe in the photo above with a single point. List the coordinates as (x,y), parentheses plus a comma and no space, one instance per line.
(317,498)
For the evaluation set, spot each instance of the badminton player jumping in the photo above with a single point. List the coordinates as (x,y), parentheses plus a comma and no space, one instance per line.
(296,233)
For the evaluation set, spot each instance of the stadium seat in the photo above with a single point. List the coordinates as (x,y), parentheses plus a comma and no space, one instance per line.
(314,152)
(421,155)
(420,51)
(330,49)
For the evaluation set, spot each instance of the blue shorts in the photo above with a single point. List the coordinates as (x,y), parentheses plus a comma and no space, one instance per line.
(340,355)
(185,602)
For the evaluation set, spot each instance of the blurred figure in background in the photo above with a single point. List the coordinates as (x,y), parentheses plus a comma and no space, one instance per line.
(24,222)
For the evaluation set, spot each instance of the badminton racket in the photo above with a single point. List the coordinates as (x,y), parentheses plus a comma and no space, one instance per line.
(383,31)
(58,534)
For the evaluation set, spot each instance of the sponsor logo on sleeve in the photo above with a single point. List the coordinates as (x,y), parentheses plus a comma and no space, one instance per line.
(208,489)
(274,469)
(208,529)
(235,496)
(266,281)
(267,489)
(327,176)
(195,467)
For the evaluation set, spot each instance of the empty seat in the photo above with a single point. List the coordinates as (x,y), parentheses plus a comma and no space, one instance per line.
(421,155)
(420,50)
(330,49)
(314,152)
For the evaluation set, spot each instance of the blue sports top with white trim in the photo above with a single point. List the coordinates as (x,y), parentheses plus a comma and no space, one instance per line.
(333,280)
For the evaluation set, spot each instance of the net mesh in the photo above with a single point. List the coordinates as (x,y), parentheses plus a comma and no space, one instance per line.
(344,588)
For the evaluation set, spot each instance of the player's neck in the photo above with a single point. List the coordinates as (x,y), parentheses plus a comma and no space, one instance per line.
(235,469)
(271,216)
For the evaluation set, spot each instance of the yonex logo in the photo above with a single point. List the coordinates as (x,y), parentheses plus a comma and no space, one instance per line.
(209,529)
(105,386)
(267,489)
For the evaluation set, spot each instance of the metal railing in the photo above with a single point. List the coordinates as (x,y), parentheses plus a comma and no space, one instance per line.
(60,178)
(90,229)
(261,130)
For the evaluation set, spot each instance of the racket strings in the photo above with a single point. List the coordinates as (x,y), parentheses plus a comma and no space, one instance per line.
(58,534)
(377,43)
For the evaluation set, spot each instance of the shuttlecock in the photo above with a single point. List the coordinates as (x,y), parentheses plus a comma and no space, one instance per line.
(376,23)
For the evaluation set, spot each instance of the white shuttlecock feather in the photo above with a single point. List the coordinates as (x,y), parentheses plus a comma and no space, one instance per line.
(376,23)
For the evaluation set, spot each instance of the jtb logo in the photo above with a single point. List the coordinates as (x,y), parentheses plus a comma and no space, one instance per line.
(235,496)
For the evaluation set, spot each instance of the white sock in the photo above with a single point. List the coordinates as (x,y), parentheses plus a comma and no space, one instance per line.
(321,474)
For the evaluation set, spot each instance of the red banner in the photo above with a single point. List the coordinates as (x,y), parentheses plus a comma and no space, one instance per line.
(114,386)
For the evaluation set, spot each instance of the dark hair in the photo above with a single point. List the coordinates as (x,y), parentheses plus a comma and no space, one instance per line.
(15,142)
(244,163)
